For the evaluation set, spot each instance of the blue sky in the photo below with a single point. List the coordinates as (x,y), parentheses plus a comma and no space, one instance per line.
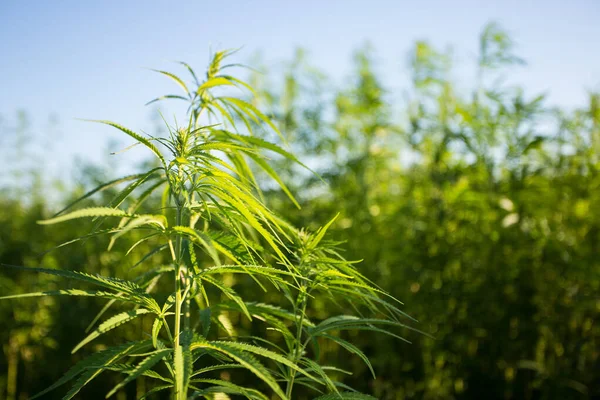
(84,59)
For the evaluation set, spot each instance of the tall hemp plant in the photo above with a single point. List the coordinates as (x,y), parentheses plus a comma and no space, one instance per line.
(213,223)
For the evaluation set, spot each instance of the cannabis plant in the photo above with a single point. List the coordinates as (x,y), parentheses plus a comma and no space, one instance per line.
(213,224)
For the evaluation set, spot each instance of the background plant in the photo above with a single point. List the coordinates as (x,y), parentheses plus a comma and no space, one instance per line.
(474,204)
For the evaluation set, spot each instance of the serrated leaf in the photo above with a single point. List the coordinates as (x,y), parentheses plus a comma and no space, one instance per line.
(260,143)
(168,96)
(245,359)
(143,366)
(123,194)
(174,77)
(129,368)
(100,188)
(215,368)
(239,82)
(253,222)
(352,349)
(155,390)
(216,81)
(262,309)
(200,238)
(252,111)
(271,172)
(96,360)
(318,369)
(110,324)
(137,293)
(350,322)
(154,220)
(316,239)
(156,326)
(269,272)
(71,292)
(86,213)
(136,136)
(261,351)
(221,386)
(229,292)
(148,255)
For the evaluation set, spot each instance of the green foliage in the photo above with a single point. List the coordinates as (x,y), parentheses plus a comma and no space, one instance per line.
(215,226)
(476,205)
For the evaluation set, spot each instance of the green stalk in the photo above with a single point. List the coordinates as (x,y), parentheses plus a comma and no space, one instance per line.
(298,346)
(177,328)
(179,283)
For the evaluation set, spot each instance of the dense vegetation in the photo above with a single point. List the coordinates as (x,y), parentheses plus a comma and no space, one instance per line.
(478,208)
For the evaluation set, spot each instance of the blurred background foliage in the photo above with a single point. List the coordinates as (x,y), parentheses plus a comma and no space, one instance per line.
(475,203)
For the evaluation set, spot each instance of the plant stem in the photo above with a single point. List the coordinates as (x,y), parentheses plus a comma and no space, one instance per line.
(176,394)
(298,346)
(179,283)
(178,280)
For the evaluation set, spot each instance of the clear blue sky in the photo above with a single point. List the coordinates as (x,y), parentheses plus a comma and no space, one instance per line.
(83,59)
